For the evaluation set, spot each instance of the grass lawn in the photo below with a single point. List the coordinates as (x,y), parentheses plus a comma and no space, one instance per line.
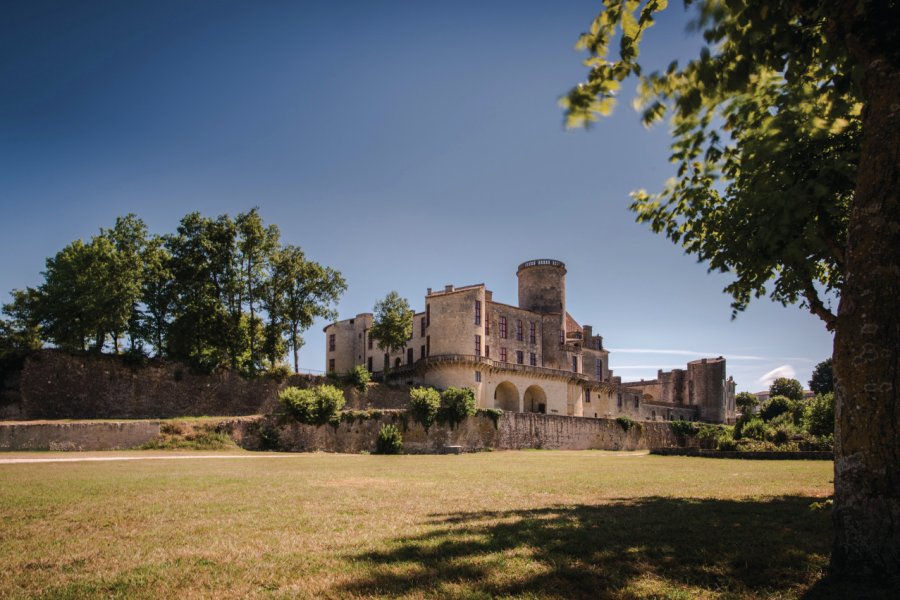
(533,524)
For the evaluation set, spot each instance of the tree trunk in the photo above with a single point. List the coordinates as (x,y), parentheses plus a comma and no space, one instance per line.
(296,350)
(867,347)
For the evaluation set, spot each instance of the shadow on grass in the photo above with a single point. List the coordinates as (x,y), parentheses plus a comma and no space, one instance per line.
(647,547)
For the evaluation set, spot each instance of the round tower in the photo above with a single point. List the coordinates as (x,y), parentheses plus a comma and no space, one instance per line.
(542,286)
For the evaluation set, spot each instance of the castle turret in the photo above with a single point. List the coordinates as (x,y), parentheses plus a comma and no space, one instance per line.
(542,289)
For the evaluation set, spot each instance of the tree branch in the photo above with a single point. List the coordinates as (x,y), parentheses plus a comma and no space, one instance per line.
(817,308)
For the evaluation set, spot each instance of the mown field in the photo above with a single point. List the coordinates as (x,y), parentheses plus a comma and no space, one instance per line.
(532,524)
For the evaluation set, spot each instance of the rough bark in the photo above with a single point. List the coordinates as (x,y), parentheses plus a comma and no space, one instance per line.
(867,347)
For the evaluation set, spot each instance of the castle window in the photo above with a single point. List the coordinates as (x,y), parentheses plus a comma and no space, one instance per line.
(532,333)
(562,336)
(487,351)
(503,327)
(370,342)
(422,352)
(637,401)
(502,354)
(478,312)
(487,324)
(519,329)
(598,369)
(477,376)
(574,364)
(619,403)
(587,395)
(331,365)
(520,357)
(369,364)
(428,345)
(532,359)
(422,327)
(477,345)
(409,356)
(427,315)
(331,342)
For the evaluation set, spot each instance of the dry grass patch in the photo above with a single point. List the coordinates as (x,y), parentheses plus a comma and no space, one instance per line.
(502,524)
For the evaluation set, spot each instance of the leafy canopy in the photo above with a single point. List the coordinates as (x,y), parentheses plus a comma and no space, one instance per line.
(822,381)
(789,388)
(766,133)
(393,322)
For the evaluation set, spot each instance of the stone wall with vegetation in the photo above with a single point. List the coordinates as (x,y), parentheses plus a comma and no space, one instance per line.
(57,385)
(512,431)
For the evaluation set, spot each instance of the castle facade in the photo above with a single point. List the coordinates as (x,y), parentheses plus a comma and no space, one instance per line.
(531,357)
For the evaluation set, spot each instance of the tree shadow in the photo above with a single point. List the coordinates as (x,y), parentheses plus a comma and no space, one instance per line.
(628,548)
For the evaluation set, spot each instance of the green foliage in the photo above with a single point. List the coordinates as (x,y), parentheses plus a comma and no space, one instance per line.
(822,381)
(493,414)
(424,404)
(768,199)
(181,436)
(359,378)
(684,428)
(218,294)
(776,405)
(278,372)
(353,416)
(818,415)
(625,422)
(393,322)
(456,405)
(389,441)
(709,436)
(756,429)
(746,402)
(315,406)
(789,388)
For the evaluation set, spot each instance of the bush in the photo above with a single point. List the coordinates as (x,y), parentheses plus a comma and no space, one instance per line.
(818,415)
(456,405)
(359,377)
(746,402)
(684,428)
(624,422)
(709,436)
(316,406)
(389,440)
(756,429)
(278,372)
(424,404)
(776,405)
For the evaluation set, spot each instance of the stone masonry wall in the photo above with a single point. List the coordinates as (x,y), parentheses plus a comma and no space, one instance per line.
(76,436)
(56,385)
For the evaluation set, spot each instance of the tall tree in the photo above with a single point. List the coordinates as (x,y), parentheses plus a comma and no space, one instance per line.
(787,387)
(392,326)
(129,239)
(256,244)
(20,331)
(157,295)
(787,145)
(822,381)
(304,290)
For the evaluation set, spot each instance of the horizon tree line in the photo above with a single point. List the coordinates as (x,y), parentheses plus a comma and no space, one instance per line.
(218,293)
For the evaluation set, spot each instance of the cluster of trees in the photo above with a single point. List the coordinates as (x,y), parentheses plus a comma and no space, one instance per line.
(220,293)
(786,417)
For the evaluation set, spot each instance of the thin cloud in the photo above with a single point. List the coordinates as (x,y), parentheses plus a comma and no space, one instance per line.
(686,353)
(782,371)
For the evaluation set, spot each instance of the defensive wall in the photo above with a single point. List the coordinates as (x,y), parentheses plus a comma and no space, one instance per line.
(57,385)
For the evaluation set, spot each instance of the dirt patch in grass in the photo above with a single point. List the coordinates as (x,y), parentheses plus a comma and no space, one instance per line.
(191,434)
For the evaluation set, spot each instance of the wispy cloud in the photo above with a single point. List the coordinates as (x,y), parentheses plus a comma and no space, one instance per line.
(783,371)
(685,353)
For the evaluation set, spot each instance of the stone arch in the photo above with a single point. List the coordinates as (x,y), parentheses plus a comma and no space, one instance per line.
(506,397)
(535,399)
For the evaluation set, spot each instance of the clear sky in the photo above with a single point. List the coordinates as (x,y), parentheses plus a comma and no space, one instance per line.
(407,144)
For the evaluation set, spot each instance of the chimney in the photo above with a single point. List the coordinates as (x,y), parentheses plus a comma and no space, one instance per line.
(488,296)
(588,332)
(448,287)
(429,292)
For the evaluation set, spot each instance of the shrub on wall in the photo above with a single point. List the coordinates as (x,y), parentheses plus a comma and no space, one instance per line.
(456,405)
(359,377)
(684,428)
(389,440)
(424,404)
(493,414)
(316,406)
(624,422)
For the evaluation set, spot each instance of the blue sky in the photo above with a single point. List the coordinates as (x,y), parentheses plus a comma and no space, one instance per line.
(407,144)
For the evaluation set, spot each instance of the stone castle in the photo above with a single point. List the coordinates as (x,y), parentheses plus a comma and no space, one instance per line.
(533,357)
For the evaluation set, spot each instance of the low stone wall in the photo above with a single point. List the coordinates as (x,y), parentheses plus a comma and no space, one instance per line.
(57,385)
(513,431)
(76,436)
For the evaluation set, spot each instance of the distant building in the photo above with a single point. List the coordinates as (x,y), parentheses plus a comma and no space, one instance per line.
(532,357)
